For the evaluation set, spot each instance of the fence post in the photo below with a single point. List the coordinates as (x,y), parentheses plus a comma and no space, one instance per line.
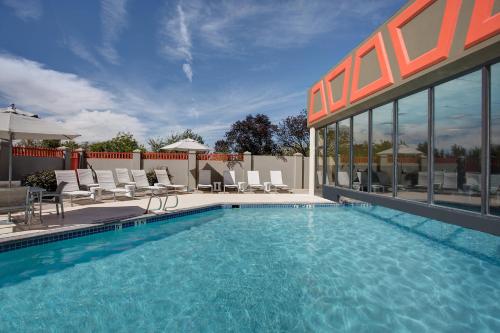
(136,160)
(298,170)
(247,163)
(192,170)
(66,157)
(312,160)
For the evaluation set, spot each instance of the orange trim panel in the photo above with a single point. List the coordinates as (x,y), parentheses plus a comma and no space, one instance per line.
(344,67)
(437,54)
(482,25)
(386,79)
(313,116)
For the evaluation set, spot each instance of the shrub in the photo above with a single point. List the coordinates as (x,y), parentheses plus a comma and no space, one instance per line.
(45,179)
(151,177)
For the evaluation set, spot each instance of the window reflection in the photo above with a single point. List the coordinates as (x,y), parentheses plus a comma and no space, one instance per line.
(320,139)
(382,149)
(412,147)
(330,154)
(344,151)
(360,152)
(457,149)
(495,140)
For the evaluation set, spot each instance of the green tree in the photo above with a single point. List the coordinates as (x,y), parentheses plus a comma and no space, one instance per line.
(157,143)
(292,135)
(254,134)
(122,142)
(222,146)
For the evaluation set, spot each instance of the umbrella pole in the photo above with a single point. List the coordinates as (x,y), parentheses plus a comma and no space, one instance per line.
(10,170)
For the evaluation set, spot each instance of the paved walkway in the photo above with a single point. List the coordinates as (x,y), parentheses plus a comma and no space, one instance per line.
(85,212)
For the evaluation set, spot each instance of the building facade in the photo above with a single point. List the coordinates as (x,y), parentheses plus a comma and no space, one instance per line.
(410,119)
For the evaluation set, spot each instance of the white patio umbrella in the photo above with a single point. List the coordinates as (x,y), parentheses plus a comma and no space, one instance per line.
(17,125)
(186,145)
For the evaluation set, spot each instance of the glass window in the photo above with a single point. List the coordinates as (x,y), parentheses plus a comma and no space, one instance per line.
(495,140)
(382,149)
(344,151)
(360,152)
(331,150)
(412,147)
(457,148)
(320,140)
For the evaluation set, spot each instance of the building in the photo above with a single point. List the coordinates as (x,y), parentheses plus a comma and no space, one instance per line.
(410,119)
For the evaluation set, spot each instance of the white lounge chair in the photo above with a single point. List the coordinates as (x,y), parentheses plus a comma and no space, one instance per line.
(254,180)
(123,177)
(230,180)
(163,180)
(343,177)
(86,178)
(205,180)
(422,181)
(277,180)
(71,189)
(107,182)
(450,181)
(472,182)
(142,183)
(438,179)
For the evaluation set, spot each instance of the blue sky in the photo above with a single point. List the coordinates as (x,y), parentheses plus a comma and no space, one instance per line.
(157,67)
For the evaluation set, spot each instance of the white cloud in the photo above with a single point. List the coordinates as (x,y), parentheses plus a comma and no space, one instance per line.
(177,40)
(103,125)
(31,85)
(188,71)
(26,9)
(114,20)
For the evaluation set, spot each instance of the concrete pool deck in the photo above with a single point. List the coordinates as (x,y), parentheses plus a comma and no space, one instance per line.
(86,213)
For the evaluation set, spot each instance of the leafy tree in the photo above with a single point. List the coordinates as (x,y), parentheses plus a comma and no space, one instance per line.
(253,134)
(292,135)
(122,142)
(157,143)
(222,146)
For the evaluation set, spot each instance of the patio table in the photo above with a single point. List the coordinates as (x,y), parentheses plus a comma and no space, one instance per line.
(37,193)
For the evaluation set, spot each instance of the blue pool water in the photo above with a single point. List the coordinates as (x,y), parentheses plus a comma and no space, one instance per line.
(356,269)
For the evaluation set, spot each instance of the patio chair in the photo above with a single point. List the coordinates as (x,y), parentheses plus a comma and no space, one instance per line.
(450,181)
(230,180)
(422,180)
(164,181)
(472,182)
(123,177)
(343,177)
(56,198)
(277,180)
(71,189)
(205,180)
(107,183)
(16,199)
(86,178)
(384,182)
(438,179)
(142,183)
(254,180)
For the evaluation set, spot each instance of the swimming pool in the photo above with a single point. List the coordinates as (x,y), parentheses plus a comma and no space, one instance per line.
(267,269)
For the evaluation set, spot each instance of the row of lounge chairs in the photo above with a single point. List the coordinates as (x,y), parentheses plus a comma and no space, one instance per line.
(253,177)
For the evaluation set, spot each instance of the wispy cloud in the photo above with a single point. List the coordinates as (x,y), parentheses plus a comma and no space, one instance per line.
(114,20)
(234,26)
(26,9)
(80,50)
(177,43)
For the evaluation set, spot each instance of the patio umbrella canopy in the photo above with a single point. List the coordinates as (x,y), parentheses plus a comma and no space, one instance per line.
(186,145)
(17,125)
